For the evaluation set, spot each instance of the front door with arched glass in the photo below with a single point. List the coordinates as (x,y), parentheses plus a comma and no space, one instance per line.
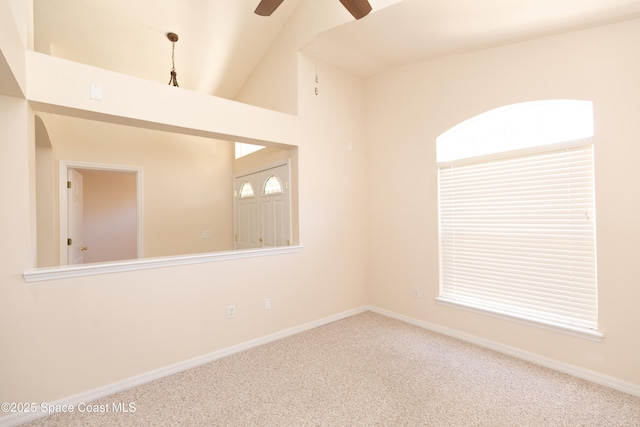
(262,209)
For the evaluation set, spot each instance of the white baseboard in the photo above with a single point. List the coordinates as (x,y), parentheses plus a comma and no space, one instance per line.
(16,419)
(576,371)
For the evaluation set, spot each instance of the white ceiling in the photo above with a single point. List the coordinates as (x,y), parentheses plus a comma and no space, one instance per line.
(415,30)
(221,41)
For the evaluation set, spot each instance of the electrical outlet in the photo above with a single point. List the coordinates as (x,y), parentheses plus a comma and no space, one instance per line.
(416,293)
(267,303)
(231,311)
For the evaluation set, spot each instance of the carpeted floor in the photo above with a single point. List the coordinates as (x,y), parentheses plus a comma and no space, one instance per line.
(367,370)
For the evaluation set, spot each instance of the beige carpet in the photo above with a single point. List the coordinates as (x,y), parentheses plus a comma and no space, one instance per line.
(367,370)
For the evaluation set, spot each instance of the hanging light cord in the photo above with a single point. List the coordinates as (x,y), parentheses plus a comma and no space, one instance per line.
(174,76)
(315,41)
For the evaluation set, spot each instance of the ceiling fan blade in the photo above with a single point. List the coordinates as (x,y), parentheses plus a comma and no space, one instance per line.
(266,7)
(358,8)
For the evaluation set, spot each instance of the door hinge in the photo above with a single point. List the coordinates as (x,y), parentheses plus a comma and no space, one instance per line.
(68,184)
(69,242)
(236,237)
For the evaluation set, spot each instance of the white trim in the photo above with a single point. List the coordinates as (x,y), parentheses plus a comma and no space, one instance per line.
(70,271)
(63,199)
(107,390)
(540,323)
(576,371)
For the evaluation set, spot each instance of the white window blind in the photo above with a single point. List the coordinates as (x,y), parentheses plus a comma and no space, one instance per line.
(517,236)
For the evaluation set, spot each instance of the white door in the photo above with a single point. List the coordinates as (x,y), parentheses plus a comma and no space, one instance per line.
(75,248)
(263,217)
(247,216)
(274,207)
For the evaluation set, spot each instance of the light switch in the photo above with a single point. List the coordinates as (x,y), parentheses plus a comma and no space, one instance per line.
(96,92)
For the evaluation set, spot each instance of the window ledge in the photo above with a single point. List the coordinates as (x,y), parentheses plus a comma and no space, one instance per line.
(590,334)
(65,272)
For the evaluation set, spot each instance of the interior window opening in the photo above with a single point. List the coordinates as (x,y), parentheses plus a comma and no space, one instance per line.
(77,225)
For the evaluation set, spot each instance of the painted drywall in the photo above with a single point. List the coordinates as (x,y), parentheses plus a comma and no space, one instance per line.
(12,54)
(78,334)
(275,81)
(46,208)
(410,106)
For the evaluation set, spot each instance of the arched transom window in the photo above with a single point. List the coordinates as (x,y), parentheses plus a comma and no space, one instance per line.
(515,127)
(246,190)
(272,185)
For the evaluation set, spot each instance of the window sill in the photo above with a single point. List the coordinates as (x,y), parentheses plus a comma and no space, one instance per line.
(590,334)
(65,272)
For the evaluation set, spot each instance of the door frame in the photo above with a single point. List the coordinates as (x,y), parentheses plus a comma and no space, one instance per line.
(63,171)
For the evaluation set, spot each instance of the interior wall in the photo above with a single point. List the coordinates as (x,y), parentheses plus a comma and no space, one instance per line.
(16,250)
(334,211)
(410,106)
(13,33)
(46,208)
(273,84)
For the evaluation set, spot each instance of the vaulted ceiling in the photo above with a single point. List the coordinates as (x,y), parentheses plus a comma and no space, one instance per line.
(222,41)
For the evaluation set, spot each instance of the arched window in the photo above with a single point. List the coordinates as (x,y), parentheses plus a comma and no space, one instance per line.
(517,214)
(246,190)
(272,185)
(516,127)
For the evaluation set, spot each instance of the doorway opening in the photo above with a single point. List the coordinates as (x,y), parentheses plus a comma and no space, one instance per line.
(100,213)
